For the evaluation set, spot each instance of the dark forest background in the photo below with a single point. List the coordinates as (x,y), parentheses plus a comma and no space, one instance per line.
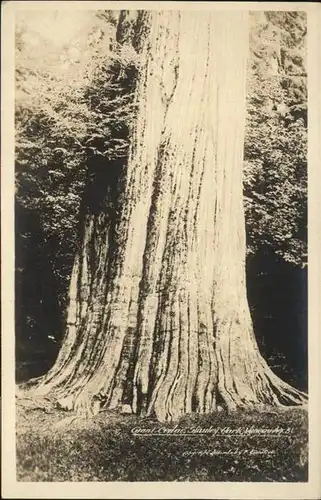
(74,108)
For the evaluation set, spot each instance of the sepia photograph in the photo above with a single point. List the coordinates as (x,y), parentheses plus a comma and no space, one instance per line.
(160,244)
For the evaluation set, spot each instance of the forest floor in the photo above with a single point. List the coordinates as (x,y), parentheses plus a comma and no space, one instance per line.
(240,446)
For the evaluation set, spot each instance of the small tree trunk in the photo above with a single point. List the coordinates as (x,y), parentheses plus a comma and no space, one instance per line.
(163,323)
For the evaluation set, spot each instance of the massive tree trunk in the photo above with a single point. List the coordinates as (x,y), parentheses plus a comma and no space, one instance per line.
(158,314)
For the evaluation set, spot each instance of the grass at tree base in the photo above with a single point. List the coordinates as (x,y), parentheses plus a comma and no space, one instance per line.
(53,446)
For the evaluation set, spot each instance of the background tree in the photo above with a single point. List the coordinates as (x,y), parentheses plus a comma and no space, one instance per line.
(68,97)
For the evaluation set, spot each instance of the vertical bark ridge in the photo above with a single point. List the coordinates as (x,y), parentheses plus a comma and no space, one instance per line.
(183,172)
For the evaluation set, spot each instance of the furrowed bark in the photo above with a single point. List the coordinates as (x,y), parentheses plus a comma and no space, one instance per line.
(170,331)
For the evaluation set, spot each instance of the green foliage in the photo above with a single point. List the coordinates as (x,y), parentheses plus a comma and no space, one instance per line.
(275,167)
(73,104)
